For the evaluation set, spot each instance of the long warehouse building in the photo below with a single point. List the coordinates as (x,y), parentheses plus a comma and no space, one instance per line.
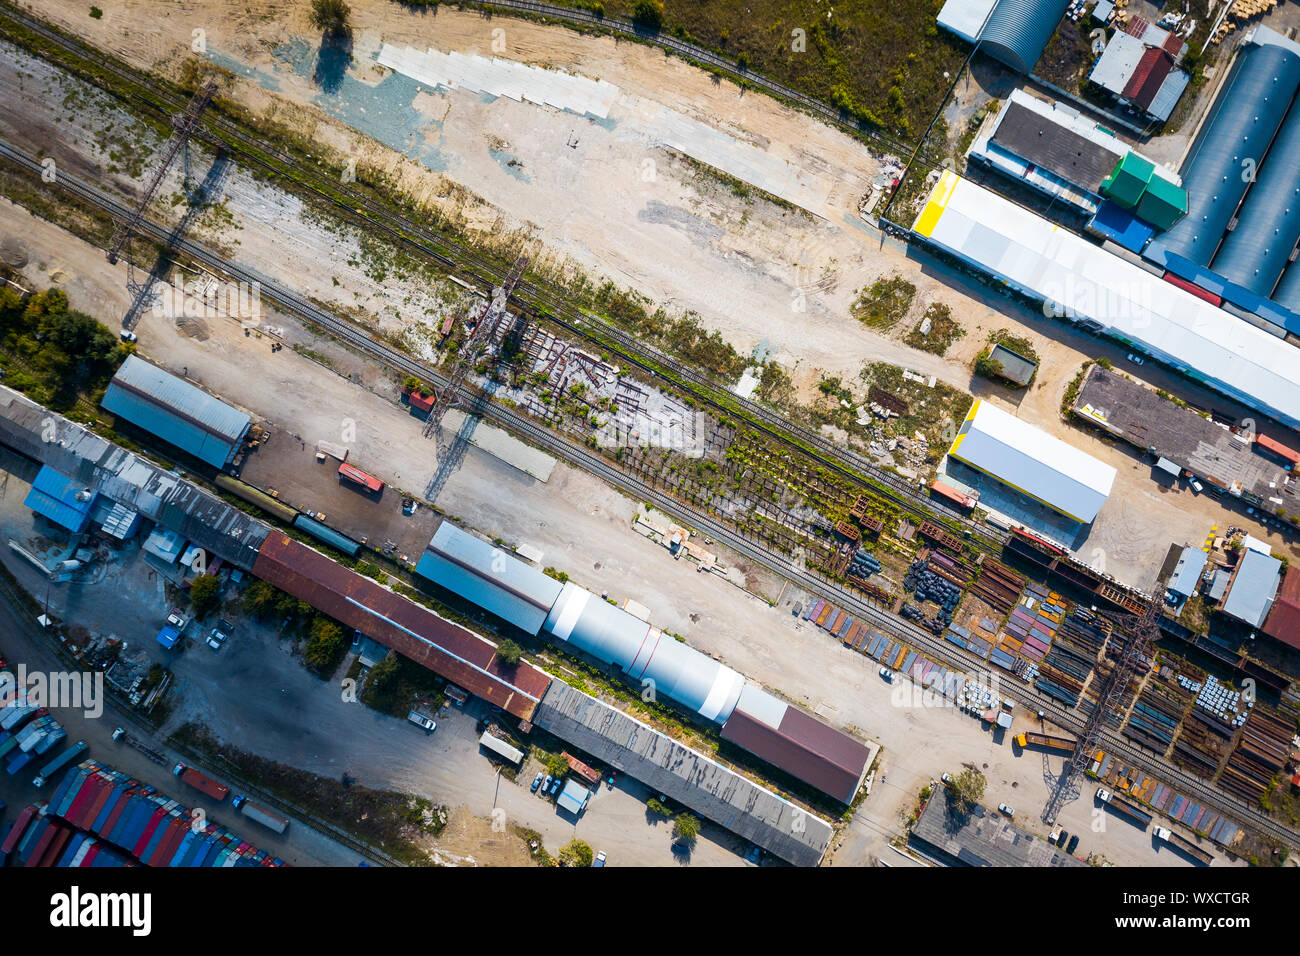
(1032,462)
(575,618)
(1101,291)
(176,411)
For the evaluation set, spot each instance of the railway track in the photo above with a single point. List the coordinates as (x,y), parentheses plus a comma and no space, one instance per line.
(580,456)
(456,257)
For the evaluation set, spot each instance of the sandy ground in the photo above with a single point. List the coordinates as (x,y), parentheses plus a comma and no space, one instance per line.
(584,527)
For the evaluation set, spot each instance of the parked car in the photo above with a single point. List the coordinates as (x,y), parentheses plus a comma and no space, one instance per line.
(886,674)
(217,638)
(600,859)
(1196,485)
(946,778)
(546,784)
(1074,842)
(1005,808)
(1055,835)
(555,787)
(537,782)
(1136,359)
(176,619)
(128,335)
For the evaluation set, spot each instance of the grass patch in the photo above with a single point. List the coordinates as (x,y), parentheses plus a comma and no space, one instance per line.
(942,333)
(885,303)
(991,368)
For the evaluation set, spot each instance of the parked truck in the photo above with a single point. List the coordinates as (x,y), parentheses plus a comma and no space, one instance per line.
(69,756)
(1179,842)
(1042,740)
(217,791)
(260,814)
(1124,807)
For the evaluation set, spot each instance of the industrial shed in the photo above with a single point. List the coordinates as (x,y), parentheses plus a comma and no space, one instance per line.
(413,631)
(1013,32)
(488,576)
(646,655)
(686,776)
(798,744)
(1252,588)
(181,414)
(1093,287)
(126,479)
(1032,462)
(1233,141)
(1284,619)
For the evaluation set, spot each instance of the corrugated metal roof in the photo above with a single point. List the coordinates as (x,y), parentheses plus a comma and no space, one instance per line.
(413,631)
(1018,30)
(1117,63)
(573,797)
(686,776)
(1033,462)
(125,478)
(1252,589)
(488,576)
(1187,573)
(1284,620)
(805,748)
(176,411)
(1255,253)
(55,496)
(1232,143)
(1090,284)
(1015,367)
(966,18)
(646,655)
(1167,96)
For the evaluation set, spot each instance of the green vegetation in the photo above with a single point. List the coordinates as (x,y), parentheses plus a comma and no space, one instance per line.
(775,386)
(887,301)
(325,645)
(576,853)
(561,576)
(331,16)
(686,827)
(55,355)
(205,595)
(657,807)
(508,652)
(944,330)
(965,790)
(880,63)
(96,13)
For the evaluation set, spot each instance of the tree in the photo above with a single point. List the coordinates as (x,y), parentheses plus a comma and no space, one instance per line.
(987,366)
(576,853)
(556,765)
(686,827)
(508,652)
(205,595)
(331,16)
(260,600)
(649,14)
(965,791)
(380,682)
(324,644)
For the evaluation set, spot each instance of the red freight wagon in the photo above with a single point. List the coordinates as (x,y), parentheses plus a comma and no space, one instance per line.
(358,476)
(1277,448)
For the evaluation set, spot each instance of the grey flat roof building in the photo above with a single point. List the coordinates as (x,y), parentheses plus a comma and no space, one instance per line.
(984,838)
(1253,587)
(697,782)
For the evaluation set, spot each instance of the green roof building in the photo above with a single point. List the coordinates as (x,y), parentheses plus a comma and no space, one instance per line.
(1127,181)
(1162,203)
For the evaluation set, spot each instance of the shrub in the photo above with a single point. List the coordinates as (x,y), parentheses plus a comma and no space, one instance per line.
(576,853)
(508,652)
(205,595)
(649,15)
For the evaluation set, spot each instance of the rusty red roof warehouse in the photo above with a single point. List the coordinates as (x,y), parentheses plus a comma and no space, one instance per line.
(396,622)
(803,747)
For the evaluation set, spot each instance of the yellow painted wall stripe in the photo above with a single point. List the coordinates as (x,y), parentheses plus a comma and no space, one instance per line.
(939,197)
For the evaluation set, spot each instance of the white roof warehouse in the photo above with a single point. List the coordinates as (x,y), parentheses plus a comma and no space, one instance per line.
(1088,284)
(1033,462)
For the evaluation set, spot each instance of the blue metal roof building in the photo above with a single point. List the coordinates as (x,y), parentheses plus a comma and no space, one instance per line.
(1187,573)
(488,576)
(181,414)
(60,499)
(1232,145)
(1018,31)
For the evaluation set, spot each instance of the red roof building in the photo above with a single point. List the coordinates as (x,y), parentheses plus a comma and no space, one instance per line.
(1283,620)
(413,631)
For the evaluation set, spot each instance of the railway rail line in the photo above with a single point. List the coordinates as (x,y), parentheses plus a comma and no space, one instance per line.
(584,458)
(456,257)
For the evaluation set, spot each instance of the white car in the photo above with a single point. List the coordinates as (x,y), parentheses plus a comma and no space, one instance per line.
(886,674)
(128,335)
(1004,808)
(600,859)
(217,638)
(946,778)
(1136,359)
